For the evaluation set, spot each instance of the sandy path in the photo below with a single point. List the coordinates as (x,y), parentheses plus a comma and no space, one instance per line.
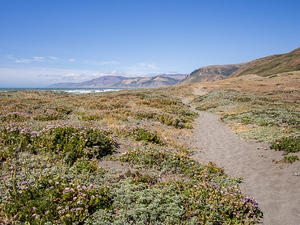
(277,190)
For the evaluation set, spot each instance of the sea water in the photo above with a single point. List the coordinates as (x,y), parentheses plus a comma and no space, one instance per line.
(68,90)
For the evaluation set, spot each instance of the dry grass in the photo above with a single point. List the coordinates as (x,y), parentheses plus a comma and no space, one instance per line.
(248,103)
(138,151)
(284,86)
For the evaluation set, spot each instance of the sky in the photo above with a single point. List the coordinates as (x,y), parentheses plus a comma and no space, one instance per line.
(44,42)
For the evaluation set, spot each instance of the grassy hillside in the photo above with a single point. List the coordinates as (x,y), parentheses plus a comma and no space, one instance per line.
(263,67)
(271,64)
(211,73)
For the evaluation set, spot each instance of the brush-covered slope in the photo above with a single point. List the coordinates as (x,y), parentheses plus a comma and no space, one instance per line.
(266,66)
(271,64)
(211,73)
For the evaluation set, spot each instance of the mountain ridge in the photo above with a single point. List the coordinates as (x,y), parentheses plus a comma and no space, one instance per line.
(117,81)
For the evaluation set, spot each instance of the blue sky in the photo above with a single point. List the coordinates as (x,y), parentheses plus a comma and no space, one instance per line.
(43,42)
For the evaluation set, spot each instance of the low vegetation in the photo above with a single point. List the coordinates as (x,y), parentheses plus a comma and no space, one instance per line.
(253,116)
(255,107)
(261,108)
(55,200)
(270,65)
(67,142)
(53,145)
(287,144)
(141,134)
(290,158)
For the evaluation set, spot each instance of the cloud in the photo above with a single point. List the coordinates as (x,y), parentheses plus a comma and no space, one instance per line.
(71,60)
(30,60)
(53,58)
(101,63)
(41,76)
(34,59)
(143,69)
(147,65)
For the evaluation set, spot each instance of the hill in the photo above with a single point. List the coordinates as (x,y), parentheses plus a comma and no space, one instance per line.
(125,82)
(211,73)
(266,66)
(271,64)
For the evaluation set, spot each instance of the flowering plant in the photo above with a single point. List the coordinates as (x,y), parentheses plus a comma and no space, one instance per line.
(55,200)
(68,142)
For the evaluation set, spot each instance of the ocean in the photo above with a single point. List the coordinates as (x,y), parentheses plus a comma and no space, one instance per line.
(68,90)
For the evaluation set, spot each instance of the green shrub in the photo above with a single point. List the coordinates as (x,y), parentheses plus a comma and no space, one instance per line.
(183,112)
(63,110)
(13,117)
(4,154)
(74,143)
(266,117)
(159,102)
(171,120)
(139,203)
(49,114)
(141,134)
(14,139)
(177,202)
(290,158)
(140,178)
(83,165)
(48,117)
(206,107)
(91,117)
(145,115)
(172,162)
(288,144)
(68,142)
(165,118)
(213,204)
(54,200)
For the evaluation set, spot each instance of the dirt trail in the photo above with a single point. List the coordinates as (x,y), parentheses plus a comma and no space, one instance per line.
(277,190)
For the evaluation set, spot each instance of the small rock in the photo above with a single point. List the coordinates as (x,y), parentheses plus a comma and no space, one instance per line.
(266,149)
(297,174)
(257,148)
